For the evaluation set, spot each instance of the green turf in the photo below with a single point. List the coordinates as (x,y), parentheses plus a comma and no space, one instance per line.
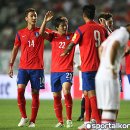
(9,115)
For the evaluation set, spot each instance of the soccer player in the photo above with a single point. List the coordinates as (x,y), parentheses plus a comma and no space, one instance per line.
(89,37)
(107,78)
(30,67)
(61,67)
(106,20)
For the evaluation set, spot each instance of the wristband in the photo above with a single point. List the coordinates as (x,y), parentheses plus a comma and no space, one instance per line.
(112,67)
(76,66)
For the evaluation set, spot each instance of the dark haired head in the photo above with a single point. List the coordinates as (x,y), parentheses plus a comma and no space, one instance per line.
(29,10)
(58,21)
(105,16)
(89,11)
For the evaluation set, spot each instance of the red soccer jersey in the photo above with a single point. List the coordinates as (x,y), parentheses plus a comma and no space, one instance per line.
(127,60)
(32,47)
(59,43)
(89,36)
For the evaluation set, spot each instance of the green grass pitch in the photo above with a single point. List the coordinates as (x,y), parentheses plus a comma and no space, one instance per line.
(9,115)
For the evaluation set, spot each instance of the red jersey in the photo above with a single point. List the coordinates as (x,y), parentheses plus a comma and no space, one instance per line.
(32,47)
(59,43)
(89,36)
(127,60)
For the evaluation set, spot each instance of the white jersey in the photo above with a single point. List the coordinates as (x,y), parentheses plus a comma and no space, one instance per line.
(122,36)
(107,87)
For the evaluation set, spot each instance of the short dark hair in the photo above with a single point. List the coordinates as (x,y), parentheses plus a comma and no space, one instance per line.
(29,10)
(105,16)
(89,11)
(58,21)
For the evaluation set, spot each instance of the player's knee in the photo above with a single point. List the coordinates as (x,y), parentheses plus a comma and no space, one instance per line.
(35,91)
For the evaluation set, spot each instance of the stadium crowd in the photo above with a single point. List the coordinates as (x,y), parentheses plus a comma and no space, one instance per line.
(11,14)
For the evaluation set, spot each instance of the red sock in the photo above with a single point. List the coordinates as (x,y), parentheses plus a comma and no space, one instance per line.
(95,111)
(58,108)
(68,104)
(87,108)
(35,107)
(21,102)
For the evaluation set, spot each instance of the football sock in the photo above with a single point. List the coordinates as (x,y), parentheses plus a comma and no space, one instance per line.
(108,117)
(58,108)
(35,107)
(21,102)
(94,109)
(87,109)
(68,104)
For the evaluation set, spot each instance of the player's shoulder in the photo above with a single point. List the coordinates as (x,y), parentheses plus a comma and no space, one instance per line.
(23,30)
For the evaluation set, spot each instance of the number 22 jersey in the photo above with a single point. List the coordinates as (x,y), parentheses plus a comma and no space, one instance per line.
(59,44)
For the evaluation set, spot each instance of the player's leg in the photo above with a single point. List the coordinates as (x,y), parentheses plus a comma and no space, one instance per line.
(56,88)
(108,116)
(66,86)
(37,83)
(21,83)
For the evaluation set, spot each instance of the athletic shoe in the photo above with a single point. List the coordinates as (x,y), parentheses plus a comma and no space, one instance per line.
(22,122)
(69,123)
(31,124)
(59,125)
(82,127)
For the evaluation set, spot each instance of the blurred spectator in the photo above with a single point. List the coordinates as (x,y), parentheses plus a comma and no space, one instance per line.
(11,14)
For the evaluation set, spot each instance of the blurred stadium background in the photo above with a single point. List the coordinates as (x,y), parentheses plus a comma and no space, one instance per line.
(12,19)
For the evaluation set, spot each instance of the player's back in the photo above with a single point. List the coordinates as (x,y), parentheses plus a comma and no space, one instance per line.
(92,36)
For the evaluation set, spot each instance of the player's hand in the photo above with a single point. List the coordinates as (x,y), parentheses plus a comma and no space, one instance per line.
(114,74)
(10,73)
(48,16)
(64,54)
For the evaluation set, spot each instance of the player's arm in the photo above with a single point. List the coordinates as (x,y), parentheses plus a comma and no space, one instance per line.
(12,59)
(47,18)
(127,51)
(113,55)
(68,49)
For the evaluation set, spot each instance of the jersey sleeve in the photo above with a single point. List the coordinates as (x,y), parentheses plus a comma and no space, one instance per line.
(77,36)
(17,40)
(50,34)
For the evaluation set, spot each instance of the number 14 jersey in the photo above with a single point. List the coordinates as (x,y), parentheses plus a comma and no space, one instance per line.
(32,47)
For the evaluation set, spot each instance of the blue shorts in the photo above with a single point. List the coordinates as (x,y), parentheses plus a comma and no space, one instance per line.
(36,78)
(58,78)
(128,75)
(88,80)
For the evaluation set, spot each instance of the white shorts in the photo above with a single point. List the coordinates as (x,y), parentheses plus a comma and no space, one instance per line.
(107,92)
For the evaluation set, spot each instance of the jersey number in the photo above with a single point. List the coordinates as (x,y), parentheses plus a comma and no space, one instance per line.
(61,44)
(31,43)
(97,38)
(69,76)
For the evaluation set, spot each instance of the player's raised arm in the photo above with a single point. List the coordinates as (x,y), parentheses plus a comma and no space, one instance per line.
(68,49)
(12,59)
(47,18)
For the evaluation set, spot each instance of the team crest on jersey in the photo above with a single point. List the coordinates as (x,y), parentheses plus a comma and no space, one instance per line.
(36,34)
(68,37)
